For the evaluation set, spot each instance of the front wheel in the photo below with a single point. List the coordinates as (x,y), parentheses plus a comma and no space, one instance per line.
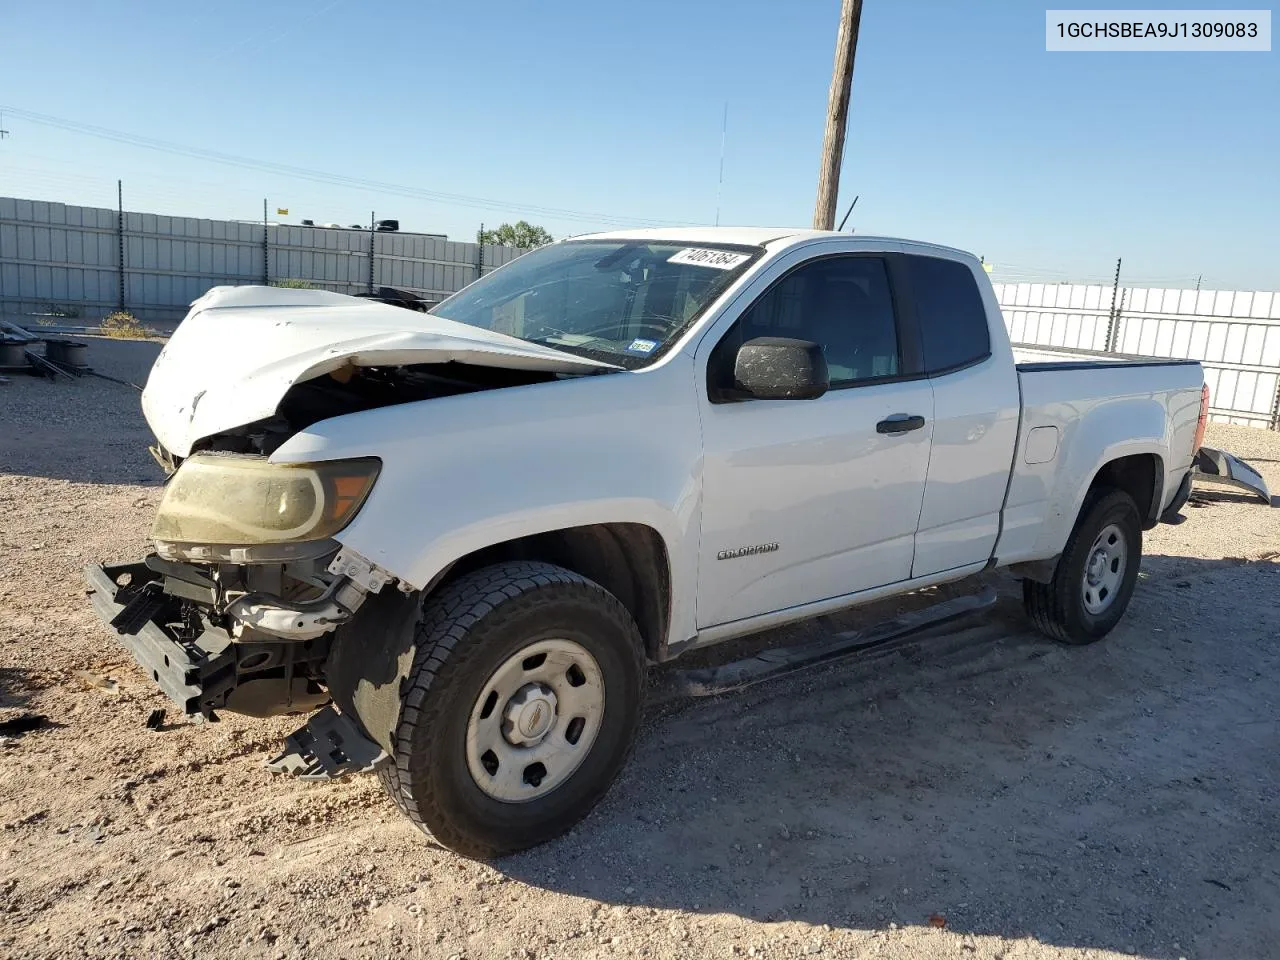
(521,707)
(1095,576)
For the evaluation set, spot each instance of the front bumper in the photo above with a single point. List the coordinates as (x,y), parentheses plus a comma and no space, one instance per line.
(208,672)
(195,674)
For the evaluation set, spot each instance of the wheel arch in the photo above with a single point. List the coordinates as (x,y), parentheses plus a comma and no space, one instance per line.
(630,560)
(371,655)
(1141,475)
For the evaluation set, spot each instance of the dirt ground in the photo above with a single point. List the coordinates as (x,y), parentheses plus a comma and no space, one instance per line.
(1042,801)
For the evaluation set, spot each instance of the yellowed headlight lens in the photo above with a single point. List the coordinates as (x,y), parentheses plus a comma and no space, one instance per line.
(246,500)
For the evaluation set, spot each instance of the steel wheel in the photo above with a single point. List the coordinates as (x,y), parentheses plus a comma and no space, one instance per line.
(1094,577)
(535,721)
(1104,569)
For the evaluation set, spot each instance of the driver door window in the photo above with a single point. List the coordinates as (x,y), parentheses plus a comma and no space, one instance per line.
(842,303)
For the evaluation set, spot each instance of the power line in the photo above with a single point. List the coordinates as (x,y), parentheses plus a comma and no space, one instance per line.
(319,176)
(257,41)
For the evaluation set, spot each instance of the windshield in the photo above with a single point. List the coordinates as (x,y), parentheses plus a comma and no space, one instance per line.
(622,301)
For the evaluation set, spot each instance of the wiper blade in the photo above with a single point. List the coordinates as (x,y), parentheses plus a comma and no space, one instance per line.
(614,360)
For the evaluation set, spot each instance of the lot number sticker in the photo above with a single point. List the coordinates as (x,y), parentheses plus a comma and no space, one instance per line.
(718,259)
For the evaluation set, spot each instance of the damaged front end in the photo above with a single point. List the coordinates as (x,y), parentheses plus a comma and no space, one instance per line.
(247,638)
(236,608)
(224,637)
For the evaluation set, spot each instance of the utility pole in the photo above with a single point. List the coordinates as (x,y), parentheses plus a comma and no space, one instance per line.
(824,211)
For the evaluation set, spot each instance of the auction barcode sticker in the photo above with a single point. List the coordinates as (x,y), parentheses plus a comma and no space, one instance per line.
(1157,30)
(701,257)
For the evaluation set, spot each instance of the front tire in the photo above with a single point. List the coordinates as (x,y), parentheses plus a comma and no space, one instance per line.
(521,708)
(1095,576)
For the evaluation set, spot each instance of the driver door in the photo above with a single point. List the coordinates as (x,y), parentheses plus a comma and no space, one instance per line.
(805,500)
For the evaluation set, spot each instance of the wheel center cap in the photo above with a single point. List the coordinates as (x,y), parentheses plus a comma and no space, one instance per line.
(1097,565)
(529,715)
(535,718)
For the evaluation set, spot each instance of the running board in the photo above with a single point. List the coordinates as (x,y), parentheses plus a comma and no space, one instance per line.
(783,661)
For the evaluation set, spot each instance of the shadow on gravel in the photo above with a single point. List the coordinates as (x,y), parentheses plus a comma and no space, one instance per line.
(1119,795)
(15,692)
(1206,496)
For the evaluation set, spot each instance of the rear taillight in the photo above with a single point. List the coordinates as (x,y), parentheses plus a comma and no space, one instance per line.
(1204,418)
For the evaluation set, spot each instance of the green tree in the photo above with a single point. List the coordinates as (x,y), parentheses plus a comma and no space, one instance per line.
(523,234)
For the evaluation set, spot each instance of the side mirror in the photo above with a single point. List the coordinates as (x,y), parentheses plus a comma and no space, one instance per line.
(780,368)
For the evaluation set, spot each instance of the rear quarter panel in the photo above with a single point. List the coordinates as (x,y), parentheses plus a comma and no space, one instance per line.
(1100,414)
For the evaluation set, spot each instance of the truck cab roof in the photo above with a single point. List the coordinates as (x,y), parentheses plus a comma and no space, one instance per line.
(775,239)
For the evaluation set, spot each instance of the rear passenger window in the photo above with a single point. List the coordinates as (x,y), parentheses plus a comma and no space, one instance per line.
(953,320)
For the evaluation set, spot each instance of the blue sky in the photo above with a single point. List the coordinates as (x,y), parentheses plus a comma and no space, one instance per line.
(962,130)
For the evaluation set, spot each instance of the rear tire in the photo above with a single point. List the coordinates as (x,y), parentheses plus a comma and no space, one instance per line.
(521,708)
(1095,576)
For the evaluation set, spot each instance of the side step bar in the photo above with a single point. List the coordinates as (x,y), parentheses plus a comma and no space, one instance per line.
(783,661)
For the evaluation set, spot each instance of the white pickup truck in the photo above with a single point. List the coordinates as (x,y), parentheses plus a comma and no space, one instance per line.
(468,532)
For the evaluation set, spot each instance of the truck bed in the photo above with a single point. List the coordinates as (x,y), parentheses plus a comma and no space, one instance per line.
(1122,403)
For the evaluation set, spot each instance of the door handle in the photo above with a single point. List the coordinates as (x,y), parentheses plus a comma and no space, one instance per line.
(900,423)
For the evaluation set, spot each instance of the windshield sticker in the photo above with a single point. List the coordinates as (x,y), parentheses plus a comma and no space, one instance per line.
(718,259)
(642,346)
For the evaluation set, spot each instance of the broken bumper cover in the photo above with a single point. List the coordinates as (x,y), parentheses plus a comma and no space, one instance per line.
(193,675)
(1221,467)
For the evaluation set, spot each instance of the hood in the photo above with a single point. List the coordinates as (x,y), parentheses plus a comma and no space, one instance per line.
(240,349)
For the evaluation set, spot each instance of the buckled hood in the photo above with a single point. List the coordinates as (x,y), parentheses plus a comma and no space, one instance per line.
(240,349)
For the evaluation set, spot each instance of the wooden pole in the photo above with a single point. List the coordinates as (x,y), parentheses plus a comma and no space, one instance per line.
(824,211)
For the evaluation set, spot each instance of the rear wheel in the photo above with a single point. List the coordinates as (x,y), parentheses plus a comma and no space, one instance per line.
(1095,576)
(521,707)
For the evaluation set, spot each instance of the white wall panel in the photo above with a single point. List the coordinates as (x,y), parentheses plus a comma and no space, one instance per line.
(54,255)
(1235,334)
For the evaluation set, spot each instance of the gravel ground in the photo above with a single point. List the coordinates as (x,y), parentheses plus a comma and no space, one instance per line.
(982,793)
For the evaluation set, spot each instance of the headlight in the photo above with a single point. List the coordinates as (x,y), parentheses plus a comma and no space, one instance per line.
(246,500)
